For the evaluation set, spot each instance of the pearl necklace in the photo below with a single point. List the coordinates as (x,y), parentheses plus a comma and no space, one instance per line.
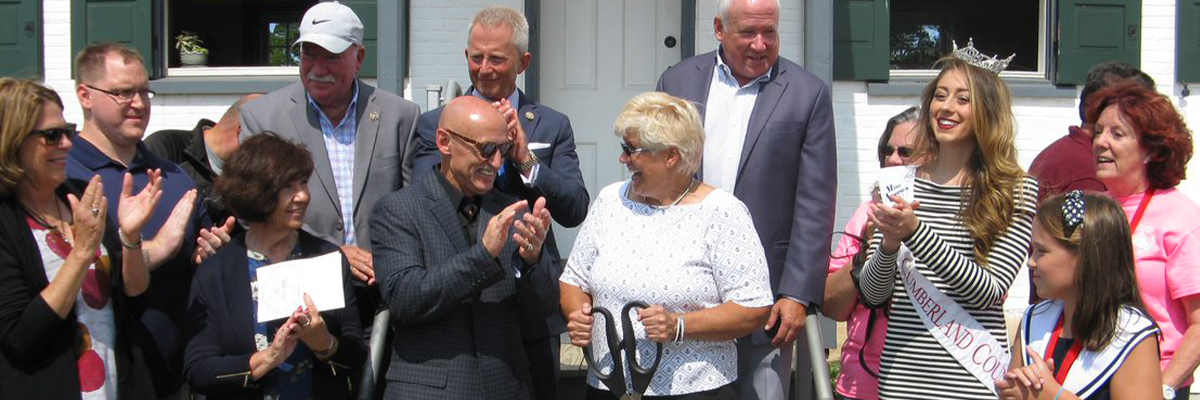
(692,185)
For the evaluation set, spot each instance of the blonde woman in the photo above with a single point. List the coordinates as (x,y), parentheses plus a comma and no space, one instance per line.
(686,248)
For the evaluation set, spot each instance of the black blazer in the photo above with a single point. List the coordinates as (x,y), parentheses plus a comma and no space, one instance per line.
(38,350)
(455,308)
(220,329)
(559,181)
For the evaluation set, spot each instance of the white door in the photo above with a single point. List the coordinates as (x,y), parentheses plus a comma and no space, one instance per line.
(594,56)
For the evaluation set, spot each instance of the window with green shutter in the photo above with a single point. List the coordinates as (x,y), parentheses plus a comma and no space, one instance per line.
(128,22)
(240,37)
(860,39)
(1095,31)
(368,12)
(879,39)
(1187,41)
(20,39)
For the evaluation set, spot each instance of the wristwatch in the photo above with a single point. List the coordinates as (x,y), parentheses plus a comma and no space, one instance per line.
(1168,392)
(528,165)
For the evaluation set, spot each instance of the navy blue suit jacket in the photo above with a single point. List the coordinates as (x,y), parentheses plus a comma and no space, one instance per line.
(787,173)
(559,181)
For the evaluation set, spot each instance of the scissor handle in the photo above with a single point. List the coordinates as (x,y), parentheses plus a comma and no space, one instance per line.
(615,380)
(641,376)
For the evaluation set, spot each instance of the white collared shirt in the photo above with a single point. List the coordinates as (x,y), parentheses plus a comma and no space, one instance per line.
(726,117)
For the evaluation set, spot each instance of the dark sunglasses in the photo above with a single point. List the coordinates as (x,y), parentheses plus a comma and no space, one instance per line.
(886,150)
(629,151)
(53,136)
(485,149)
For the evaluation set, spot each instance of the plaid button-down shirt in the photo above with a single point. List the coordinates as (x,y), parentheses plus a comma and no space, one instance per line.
(339,144)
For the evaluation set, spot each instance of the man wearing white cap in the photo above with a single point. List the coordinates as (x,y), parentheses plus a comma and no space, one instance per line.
(361,137)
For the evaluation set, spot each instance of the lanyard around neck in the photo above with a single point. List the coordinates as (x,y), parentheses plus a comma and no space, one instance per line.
(1060,374)
(1141,209)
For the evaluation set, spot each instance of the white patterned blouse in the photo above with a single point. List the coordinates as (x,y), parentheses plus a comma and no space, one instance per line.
(685,258)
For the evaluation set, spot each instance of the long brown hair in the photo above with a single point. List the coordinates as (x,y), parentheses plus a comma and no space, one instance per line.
(994,172)
(1105,279)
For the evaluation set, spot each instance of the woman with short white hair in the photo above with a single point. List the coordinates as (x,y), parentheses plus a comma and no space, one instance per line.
(686,249)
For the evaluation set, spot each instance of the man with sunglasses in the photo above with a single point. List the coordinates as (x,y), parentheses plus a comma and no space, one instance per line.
(114,92)
(460,263)
(542,163)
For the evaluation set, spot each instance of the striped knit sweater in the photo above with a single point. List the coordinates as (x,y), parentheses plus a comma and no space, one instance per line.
(914,365)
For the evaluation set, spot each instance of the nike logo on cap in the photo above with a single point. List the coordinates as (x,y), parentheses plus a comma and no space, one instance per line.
(316,22)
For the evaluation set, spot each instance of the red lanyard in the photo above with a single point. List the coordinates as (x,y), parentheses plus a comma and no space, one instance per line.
(1060,374)
(1141,209)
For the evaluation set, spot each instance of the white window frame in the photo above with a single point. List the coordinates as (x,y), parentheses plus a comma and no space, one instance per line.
(174,72)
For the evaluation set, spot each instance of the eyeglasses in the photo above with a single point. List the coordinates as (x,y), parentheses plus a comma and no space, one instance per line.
(53,136)
(485,149)
(124,96)
(629,151)
(887,150)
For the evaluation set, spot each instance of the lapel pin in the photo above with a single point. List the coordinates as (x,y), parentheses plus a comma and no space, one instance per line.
(374,116)
(529,115)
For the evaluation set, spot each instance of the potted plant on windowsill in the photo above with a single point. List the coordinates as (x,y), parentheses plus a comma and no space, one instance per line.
(191,51)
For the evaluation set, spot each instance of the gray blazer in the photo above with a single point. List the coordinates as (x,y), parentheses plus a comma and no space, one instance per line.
(383,150)
(454,307)
(787,175)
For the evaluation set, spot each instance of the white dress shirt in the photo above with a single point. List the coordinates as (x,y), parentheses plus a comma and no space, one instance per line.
(726,117)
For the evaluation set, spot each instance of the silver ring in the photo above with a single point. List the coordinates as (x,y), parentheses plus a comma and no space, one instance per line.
(95,212)
(529,246)
(304,321)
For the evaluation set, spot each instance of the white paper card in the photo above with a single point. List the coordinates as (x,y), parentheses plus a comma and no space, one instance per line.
(897,181)
(281,286)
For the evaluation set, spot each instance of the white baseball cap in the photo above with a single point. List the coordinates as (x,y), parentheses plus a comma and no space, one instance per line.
(332,26)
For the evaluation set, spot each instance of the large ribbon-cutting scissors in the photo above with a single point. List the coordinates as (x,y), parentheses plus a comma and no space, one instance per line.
(615,379)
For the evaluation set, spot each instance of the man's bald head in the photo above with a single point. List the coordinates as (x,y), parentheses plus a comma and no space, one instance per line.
(466,112)
(468,130)
(222,138)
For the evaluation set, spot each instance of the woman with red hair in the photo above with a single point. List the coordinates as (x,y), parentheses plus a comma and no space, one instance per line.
(1142,147)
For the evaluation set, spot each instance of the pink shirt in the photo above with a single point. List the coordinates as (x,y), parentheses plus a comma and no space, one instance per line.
(854,382)
(1166,251)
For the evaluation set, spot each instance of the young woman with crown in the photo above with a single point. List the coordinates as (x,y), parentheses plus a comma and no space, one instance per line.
(944,261)
(1092,338)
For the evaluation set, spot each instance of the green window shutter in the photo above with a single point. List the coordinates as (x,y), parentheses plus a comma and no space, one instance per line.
(368,12)
(1095,31)
(860,40)
(1187,41)
(20,39)
(129,22)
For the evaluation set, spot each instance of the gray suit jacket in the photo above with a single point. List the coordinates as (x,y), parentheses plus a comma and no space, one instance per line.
(558,180)
(383,148)
(787,175)
(454,307)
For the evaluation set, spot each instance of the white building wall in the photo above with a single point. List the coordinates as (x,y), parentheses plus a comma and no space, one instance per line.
(438,37)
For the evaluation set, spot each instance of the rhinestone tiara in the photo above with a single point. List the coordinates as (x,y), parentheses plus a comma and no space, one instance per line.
(974,57)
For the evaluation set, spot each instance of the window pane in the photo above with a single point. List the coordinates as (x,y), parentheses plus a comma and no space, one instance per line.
(239,33)
(922,30)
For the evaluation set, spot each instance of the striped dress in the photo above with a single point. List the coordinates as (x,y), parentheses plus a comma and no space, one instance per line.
(914,365)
